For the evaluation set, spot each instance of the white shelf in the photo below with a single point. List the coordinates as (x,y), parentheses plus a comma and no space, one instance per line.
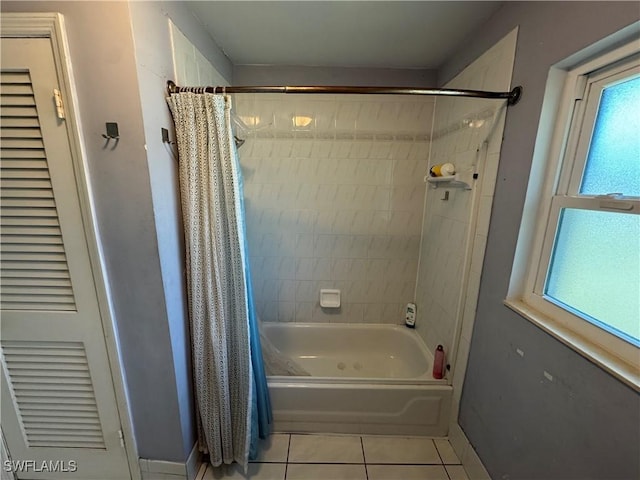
(459,180)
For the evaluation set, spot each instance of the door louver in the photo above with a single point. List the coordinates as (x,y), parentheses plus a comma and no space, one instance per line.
(52,391)
(34,274)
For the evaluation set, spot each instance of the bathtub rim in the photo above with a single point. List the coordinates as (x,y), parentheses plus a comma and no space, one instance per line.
(425,379)
(340,325)
(300,381)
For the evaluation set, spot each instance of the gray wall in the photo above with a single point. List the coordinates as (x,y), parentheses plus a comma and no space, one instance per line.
(584,424)
(302,75)
(150,26)
(104,65)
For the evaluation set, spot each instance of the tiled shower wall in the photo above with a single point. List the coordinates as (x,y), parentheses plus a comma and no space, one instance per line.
(337,203)
(461,126)
(191,67)
(467,133)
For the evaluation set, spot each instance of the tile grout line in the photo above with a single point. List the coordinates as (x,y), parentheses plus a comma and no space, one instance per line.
(202,471)
(440,457)
(447,472)
(286,465)
(435,445)
(364,459)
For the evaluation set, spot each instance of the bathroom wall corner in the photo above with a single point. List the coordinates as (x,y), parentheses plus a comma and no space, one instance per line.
(471,462)
(161,470)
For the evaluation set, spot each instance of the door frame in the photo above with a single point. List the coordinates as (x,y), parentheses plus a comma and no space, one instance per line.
(51,26)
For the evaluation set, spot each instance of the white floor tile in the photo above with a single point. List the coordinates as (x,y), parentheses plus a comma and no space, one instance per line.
(273,449)
(400,450)
(456,472)
(406,472)
(446,452)
(310,471)
(323,457)
(256,471)
(325,449)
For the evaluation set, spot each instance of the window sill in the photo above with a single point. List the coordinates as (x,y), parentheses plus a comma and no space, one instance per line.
(623,371)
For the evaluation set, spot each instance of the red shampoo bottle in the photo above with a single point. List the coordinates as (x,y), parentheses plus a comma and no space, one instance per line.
(438,363)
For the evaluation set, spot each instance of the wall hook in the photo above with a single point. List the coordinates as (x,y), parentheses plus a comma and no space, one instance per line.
(112,131)
(165,136)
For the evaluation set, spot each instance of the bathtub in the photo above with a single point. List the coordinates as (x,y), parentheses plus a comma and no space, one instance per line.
(364,379)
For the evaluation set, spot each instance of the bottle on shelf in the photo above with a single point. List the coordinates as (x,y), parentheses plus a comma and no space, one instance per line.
(442,170)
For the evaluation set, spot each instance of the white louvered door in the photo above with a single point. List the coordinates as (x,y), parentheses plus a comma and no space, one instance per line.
(58,400)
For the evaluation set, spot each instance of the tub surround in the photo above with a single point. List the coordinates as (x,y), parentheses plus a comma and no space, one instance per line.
(365,379)
(336,203)
(362,130)
(467,133)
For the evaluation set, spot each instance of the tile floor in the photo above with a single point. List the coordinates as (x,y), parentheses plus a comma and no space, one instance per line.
(343,457)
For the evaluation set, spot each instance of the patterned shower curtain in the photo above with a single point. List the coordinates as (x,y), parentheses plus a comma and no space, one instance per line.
(230,385)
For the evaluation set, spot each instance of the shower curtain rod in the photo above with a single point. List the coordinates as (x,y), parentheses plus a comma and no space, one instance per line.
(512,97)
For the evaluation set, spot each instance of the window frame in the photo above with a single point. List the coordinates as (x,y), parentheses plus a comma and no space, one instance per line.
(587,111)
(554,185)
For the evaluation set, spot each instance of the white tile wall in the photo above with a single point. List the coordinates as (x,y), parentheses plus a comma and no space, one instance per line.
(467,133)
(191,67)
(336,204)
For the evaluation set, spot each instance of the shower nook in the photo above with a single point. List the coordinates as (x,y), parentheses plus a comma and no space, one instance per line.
(339,197)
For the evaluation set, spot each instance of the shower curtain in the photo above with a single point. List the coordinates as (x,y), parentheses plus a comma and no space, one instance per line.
(232,398)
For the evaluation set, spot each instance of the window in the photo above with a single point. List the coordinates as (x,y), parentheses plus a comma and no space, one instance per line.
(583,274)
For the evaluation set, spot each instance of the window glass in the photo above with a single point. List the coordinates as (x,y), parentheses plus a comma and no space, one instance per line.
(613,162)
(595,269)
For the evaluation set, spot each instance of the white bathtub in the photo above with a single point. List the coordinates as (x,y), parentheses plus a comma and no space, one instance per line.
(365,379)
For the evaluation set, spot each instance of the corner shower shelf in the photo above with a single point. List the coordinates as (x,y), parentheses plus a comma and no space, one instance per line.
(462,180)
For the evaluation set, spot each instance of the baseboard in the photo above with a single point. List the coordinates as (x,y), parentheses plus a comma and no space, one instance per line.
(194,460)
(466,453)
(163,470)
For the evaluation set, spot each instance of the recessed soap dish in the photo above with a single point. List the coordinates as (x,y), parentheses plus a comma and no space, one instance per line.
(329,298)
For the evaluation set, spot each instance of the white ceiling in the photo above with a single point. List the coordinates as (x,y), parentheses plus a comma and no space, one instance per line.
(387,34)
